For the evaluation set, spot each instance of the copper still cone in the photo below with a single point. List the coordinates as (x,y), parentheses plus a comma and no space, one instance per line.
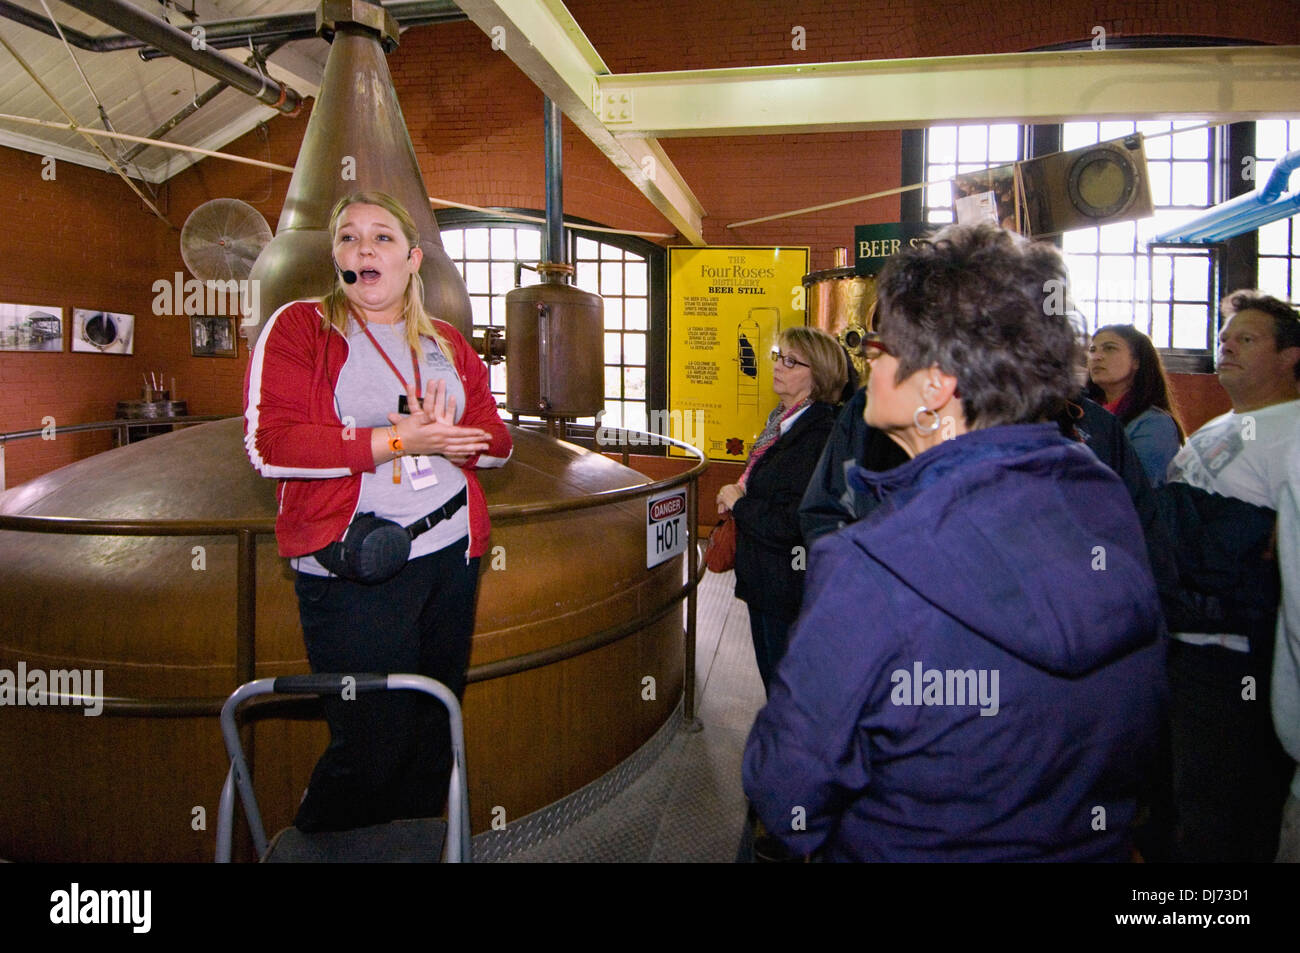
(371,150)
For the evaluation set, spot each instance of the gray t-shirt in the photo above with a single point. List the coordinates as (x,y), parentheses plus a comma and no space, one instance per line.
(366,394)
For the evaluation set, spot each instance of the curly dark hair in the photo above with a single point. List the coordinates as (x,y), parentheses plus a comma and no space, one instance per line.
(1150,387)
(992,310)
(1286,320)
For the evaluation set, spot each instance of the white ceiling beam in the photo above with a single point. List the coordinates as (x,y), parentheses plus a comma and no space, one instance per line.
(1222,83)
(546,43)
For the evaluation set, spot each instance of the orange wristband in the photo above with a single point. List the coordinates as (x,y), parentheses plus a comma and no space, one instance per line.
(394,441)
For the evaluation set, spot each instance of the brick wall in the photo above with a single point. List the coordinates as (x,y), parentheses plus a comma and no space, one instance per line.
(85,241)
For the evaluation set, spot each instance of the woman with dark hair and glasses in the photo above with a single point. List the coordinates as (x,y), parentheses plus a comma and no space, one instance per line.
(1126,377)
(976,671)
(808,376)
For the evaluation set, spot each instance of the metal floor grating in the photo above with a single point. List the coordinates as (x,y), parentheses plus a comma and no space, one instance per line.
(688,805)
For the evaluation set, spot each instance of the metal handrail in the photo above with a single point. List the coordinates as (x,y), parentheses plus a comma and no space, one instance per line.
(119,423)
(247,530)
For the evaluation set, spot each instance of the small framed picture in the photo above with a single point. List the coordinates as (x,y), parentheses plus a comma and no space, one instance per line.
(31,327)
(213,337)
(105,332)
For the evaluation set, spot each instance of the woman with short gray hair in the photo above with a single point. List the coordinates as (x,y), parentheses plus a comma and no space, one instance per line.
(976,671)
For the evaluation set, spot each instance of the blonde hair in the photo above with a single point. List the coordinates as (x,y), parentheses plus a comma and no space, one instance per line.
(825,356)
(335,307)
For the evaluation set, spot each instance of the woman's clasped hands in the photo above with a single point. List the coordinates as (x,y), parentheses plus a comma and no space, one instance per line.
(430,428)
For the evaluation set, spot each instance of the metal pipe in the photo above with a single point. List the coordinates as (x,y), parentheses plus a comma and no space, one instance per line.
(1244,213)
(178,43)
(554,251)
(194,105)
(224,34)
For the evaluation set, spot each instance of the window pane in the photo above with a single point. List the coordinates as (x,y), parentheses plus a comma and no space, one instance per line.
(973,144)
(635,416)
(1158,176)
(528,244)
(480,309)
(453,241)
(503,275)
(503,243)
(634,382)
(941,144)
(1270,138)
(588,277)
(1159,147)
(1273,238)
(1191,278)
(634,314)
(1118,237)
(476,277)
(476,243)
(1273,275)
(499,311)
(613,384)
(613,314)
(1191,145)
(1080,240)
(588,249)
(1004,142)
(634,348)
(611,278)
(613,349)
(635,277)
(1191,184)
(1189,326)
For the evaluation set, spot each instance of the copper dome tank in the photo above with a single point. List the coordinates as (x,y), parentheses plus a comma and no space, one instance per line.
(158,615)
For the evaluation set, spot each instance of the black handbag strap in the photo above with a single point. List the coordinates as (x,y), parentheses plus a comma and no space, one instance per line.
(426,523)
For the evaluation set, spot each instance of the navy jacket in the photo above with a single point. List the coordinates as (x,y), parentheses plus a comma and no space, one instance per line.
(1008,565)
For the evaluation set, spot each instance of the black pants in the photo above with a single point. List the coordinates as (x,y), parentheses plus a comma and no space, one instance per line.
(1230,771)
(389,754)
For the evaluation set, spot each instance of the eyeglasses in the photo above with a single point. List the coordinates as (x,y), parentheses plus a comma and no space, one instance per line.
(873,347)
(787,360)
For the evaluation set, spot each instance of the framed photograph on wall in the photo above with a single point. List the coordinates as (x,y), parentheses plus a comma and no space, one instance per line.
(104,332)
(213,337)
(31,327)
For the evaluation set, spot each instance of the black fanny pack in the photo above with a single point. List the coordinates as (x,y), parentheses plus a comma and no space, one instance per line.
(374,549)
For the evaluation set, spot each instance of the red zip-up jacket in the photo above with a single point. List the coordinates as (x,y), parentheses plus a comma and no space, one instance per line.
(292,430)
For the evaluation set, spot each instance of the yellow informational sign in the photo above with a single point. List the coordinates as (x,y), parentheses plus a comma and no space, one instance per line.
(726,308)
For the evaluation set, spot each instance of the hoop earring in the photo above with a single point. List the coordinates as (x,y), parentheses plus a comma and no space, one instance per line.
(916,420)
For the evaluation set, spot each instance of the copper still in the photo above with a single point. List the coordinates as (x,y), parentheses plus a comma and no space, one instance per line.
(842,303)
(554,331)
(157,615)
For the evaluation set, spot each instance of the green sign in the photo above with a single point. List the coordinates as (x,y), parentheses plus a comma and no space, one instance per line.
(873,244)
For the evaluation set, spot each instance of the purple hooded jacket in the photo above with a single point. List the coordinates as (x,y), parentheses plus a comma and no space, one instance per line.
(978,670)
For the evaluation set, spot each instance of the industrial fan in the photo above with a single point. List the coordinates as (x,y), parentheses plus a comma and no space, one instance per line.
(222,238)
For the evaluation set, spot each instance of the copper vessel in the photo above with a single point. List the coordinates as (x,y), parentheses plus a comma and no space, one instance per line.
(842,303)
(157,615)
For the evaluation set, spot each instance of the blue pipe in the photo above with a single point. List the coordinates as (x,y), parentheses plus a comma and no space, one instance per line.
(1244,213)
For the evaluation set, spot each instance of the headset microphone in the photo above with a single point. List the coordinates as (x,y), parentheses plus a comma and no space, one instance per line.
(349,277)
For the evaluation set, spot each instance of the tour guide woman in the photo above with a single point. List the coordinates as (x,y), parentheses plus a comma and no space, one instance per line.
(976,671)
(322,416)
(808,375)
